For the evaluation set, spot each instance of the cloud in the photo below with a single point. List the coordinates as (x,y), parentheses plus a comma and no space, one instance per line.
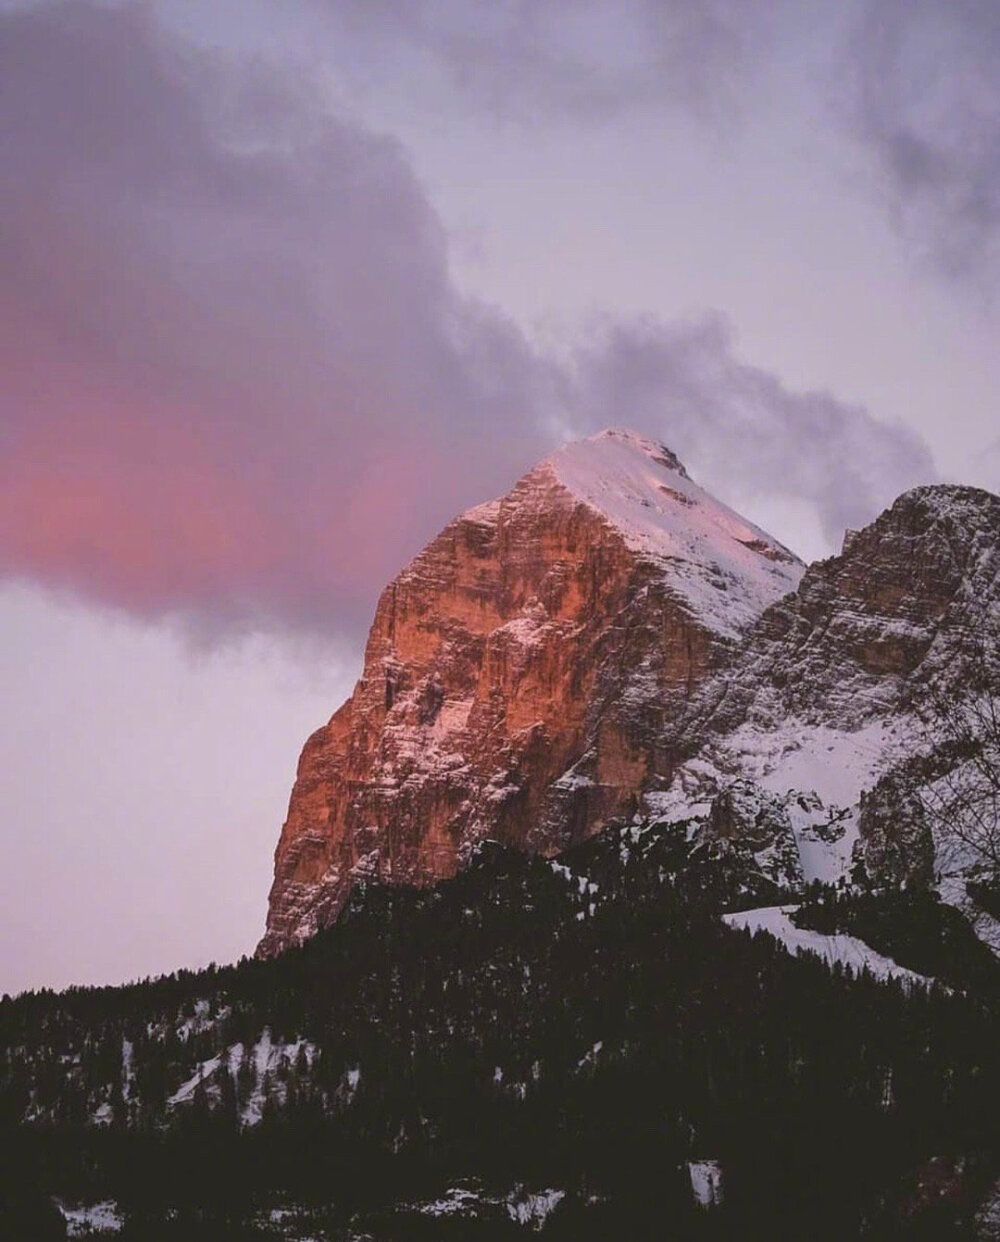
(741,429)
(918,82)
(924,96)
(239,385)
(237,378)
(582,58)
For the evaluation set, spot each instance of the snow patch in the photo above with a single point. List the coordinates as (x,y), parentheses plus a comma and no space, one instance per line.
(95,1219)
(456,1201)
(186,1092)
(952,891)
(527,1208)
(706,1182)
(847,950)
(523,1207)
(268,1063)
(590,1057)
(818,774)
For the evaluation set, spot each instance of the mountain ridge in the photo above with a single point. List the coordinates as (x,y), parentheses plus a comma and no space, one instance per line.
(832,690)
(608,640)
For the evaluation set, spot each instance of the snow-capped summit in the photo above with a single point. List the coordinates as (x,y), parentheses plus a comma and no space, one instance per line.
(518,671)
(727,569)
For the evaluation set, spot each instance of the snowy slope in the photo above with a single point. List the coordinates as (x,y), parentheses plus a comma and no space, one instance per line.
(847,950)
(816,772)
(268,1063)
(827,702)
(726,569)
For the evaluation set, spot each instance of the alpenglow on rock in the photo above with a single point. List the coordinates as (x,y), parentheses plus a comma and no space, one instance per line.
(519,672)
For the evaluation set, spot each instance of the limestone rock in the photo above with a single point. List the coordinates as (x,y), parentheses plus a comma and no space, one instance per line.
(830,695)
(519,673)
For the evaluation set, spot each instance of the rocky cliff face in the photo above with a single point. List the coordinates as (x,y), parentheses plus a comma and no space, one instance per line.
(519,674)
(827,705)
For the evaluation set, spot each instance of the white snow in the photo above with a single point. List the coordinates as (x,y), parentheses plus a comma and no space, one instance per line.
(95,1219)
(726,569)
(266,1058)
(202,1020)
(848,950)
(456,1201)
(571,780)
(128,1071)
(525,629)
(833,763)
(951,888)
(988,1216)
(485,514)
(986,927)
(524,1207)
(185,1093)
(584,886)
(706,1182)
(821,860)
(591,1055)
(533,1208)
(261,1060)
(819,773)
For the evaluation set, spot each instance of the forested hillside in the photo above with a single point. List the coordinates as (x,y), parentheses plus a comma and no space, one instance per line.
(579,1045)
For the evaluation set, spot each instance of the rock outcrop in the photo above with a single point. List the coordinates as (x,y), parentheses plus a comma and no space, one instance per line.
(519,674)
(831,696)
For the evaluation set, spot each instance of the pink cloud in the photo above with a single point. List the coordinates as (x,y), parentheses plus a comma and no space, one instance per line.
(238,383)
(237,375)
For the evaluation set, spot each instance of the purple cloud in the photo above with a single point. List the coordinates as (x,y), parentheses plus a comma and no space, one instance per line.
(237,377)
(924,96)
(741,424)
(239,385)
(593,58)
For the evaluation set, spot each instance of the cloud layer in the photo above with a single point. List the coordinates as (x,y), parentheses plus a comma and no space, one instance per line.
(235,367)
(925,82)
(239,385)
(748,433)
(918,82)
(592,58)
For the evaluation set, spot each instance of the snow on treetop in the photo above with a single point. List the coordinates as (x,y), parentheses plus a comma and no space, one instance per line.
(724,567)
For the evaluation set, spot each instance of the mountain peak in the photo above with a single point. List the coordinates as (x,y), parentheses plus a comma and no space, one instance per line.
(726,569)
(518,671)
(636,442)
(957,501)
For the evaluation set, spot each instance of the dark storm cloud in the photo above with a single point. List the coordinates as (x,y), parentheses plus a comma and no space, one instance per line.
(924,78)
(523,58)
(238,384)
(741,425)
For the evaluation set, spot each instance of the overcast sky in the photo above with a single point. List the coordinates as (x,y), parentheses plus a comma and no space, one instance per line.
(285,284)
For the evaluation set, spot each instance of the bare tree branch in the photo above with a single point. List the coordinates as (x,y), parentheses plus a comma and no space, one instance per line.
(961,796)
